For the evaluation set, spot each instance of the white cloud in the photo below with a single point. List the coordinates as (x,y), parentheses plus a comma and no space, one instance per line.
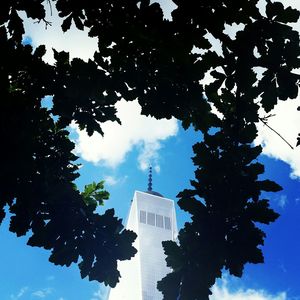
(112,180)
(115,145)
(222,291)
(42,293)
(286,122)
(20,294)
(74,41)
(137,131)
(149,156)
(157,168)
(101,293)
(282,201)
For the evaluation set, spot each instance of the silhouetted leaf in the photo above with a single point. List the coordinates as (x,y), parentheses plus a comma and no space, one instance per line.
(269,186)
(289,15)
(164,64)
(67,23)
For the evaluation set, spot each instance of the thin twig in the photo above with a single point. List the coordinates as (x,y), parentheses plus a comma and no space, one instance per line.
(47,23)
(263,121)
(50,5)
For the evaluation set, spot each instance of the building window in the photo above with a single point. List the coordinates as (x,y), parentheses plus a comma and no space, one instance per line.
(142,216)
(155,220)
(151,218)
(168,223)
(159,221)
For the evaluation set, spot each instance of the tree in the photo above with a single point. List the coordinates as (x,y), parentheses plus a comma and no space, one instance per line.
(161,63)
(38,166)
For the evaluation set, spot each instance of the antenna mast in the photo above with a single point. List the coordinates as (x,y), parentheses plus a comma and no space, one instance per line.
(150,179)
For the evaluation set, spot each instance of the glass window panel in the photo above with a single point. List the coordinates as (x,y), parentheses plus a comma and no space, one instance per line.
(159,221)
(151,218)
(143,216)
(168,223)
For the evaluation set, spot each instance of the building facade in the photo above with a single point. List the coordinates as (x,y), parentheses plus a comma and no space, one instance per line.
(153,219)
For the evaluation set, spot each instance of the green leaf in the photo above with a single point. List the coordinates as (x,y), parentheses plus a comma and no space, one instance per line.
(94,194)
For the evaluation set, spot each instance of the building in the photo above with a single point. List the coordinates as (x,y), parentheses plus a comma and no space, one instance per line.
(153,218)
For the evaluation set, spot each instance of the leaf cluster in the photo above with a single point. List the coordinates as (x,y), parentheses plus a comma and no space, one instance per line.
(94,195)
(162,63)
(39,166)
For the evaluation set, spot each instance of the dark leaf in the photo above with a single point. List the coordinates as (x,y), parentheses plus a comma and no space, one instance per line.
(67,23)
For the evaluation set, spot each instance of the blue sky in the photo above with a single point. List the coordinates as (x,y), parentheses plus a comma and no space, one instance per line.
(26,273)
(122,158)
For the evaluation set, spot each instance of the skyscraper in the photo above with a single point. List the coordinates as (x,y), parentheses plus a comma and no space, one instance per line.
(153,218)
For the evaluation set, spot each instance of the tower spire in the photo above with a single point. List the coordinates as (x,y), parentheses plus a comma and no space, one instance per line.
(150,190)
(150,179)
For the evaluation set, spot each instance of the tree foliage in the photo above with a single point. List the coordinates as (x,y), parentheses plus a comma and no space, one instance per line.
(141,55)
(38,164)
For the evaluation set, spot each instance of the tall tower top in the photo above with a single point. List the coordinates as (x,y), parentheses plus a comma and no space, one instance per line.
(150,179)
(150,191)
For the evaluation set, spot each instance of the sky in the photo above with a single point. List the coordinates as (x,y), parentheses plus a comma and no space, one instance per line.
(122,158)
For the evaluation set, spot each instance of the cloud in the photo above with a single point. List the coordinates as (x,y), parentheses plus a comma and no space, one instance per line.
(149,156)
(101,293)
(286,121)
(282,201)
(112,180)
(136,132)
(20,294)
(80,45)
(42,293)
(222,291)
(140,132)
(74,41)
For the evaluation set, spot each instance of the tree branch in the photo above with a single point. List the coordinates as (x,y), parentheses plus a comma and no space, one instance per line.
(265,122)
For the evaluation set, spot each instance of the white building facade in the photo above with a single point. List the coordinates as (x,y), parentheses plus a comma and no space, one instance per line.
(152,217)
